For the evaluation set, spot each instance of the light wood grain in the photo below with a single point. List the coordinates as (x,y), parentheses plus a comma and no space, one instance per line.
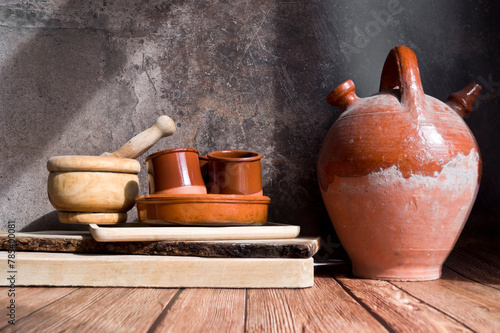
(474,304)
(98,310)
(29,299)
(93,192)
(81,163)
(205,310)
(127,234)
(399,311)
(68,269)
(325,307)
(87,218)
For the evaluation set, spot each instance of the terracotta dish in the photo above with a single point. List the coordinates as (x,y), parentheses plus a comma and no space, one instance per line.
(208,209)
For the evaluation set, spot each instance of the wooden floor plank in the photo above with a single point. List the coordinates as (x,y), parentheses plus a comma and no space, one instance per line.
(205,310)
(400,311)
(98,310)
(29,299)
(476,263)
(325,307)
(475,305)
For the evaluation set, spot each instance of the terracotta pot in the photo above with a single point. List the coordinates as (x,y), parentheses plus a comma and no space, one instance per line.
(175,171)
(399,172)
(234,172)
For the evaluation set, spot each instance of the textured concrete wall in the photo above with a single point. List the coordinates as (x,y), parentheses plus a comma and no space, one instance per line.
(82,77)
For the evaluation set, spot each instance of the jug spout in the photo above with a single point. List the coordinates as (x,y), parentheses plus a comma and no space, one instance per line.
(463,100)
(343,96)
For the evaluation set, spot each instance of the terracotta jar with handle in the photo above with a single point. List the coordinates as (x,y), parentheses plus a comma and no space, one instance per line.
(399,172)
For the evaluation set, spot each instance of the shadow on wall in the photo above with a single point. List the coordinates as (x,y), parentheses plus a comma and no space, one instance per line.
(55,69)
(303,71)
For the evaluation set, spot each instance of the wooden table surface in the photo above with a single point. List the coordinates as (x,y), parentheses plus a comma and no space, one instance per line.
(465,299)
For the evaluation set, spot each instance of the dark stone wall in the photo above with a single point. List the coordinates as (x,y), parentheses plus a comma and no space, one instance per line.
(82,77)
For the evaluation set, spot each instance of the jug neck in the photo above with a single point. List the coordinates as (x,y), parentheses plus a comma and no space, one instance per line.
(462,101)
(343,96)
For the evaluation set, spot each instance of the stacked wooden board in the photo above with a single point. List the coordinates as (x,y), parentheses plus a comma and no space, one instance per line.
(77,259)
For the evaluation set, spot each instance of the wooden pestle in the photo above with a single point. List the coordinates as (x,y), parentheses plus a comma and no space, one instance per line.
(136,146)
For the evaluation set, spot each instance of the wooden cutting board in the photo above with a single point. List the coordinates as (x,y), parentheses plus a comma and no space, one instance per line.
(141,232)
(83,242)
(70,269)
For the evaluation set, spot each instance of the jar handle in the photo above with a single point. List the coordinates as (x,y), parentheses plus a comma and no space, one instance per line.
(401,71)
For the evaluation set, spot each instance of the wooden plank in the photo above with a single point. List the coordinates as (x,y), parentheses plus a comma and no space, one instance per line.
(69,269)
(325,307)
(399,311)
(29,299)
(98,310)
(475,305)
(204,310)
(82,242)
(476,263)
(189,233)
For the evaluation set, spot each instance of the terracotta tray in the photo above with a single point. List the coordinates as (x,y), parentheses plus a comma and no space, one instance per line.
(128,233)
(202,209)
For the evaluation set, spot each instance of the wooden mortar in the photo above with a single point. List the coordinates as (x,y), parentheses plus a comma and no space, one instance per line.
(101,189)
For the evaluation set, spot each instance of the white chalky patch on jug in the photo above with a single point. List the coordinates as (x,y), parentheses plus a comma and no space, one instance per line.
(384,197)
(460,170)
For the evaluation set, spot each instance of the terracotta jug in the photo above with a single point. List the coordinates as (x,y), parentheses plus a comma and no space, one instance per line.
(399,172)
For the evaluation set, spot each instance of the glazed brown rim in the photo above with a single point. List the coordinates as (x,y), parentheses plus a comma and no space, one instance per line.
(202,198)
(255,156)
(169,151)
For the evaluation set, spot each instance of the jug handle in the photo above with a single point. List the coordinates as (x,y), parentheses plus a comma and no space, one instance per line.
(401,71)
